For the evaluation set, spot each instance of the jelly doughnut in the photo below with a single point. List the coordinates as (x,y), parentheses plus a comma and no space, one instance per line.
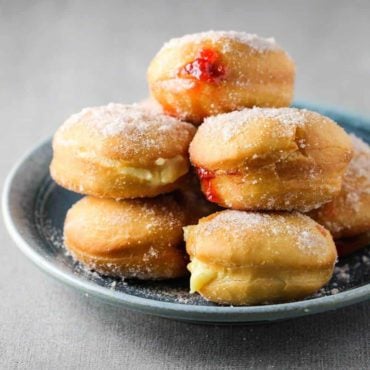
(208,73)
(348,214)
(121,151)
(134,238)
(270,159)
(247,258)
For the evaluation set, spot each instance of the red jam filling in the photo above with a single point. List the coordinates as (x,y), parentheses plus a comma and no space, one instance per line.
(206,178)
(206,67)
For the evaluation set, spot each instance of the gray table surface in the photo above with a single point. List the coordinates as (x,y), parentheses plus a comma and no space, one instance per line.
(59,56)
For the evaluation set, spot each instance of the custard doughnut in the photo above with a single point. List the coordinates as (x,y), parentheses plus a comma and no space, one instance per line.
(246,258)
(270,159)
(348,214)
(136,238)
(208,73)
(121,151)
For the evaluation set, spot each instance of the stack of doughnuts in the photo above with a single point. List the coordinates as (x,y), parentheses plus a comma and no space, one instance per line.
(214,175)
(133,166)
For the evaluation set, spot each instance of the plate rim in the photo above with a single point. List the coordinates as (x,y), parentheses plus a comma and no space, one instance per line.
(187,312)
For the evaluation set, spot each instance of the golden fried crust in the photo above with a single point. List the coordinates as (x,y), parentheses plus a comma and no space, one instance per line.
(254,72)
(250,258)
(132,238)
(271,159)
(121,151)
(349,213)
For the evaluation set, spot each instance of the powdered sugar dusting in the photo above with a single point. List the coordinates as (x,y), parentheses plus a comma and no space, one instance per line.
(311,243)
(53,234)
(233,220)
(239,224)
(136,130)
(158,216)
(257,43)
(230,124)
(115,119)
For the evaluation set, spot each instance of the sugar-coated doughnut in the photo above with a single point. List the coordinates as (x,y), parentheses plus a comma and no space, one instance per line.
(208,73)
(135,238)
(270,159)
(246,258)
(121,151)
(348,214)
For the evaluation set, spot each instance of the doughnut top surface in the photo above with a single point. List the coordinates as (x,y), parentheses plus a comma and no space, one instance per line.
(237,224)
(105,227)
(257,43)
(126,132)
(115,119)
(245,238)
(230,124)
(264,135)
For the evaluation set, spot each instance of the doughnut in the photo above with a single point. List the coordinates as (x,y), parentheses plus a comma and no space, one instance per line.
(209,73)
(121,151)
(348,214)
(132,238)
(248,258)
(270,159)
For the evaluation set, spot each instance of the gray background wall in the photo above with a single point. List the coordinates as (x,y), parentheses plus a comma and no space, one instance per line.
(59,56)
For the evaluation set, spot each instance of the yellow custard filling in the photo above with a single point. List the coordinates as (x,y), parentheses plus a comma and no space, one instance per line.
(201,275)
(163,170)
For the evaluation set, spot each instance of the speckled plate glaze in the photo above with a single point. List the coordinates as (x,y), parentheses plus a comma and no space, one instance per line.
(34,208)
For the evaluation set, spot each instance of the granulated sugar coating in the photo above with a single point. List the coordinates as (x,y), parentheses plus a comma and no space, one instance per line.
(233,221)
(257,43)
(127,130)
(284,115)
(237,225)
(159,216)
(230,124)
(115,119)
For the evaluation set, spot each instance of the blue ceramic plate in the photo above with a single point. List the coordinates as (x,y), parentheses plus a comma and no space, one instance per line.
(34,208)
